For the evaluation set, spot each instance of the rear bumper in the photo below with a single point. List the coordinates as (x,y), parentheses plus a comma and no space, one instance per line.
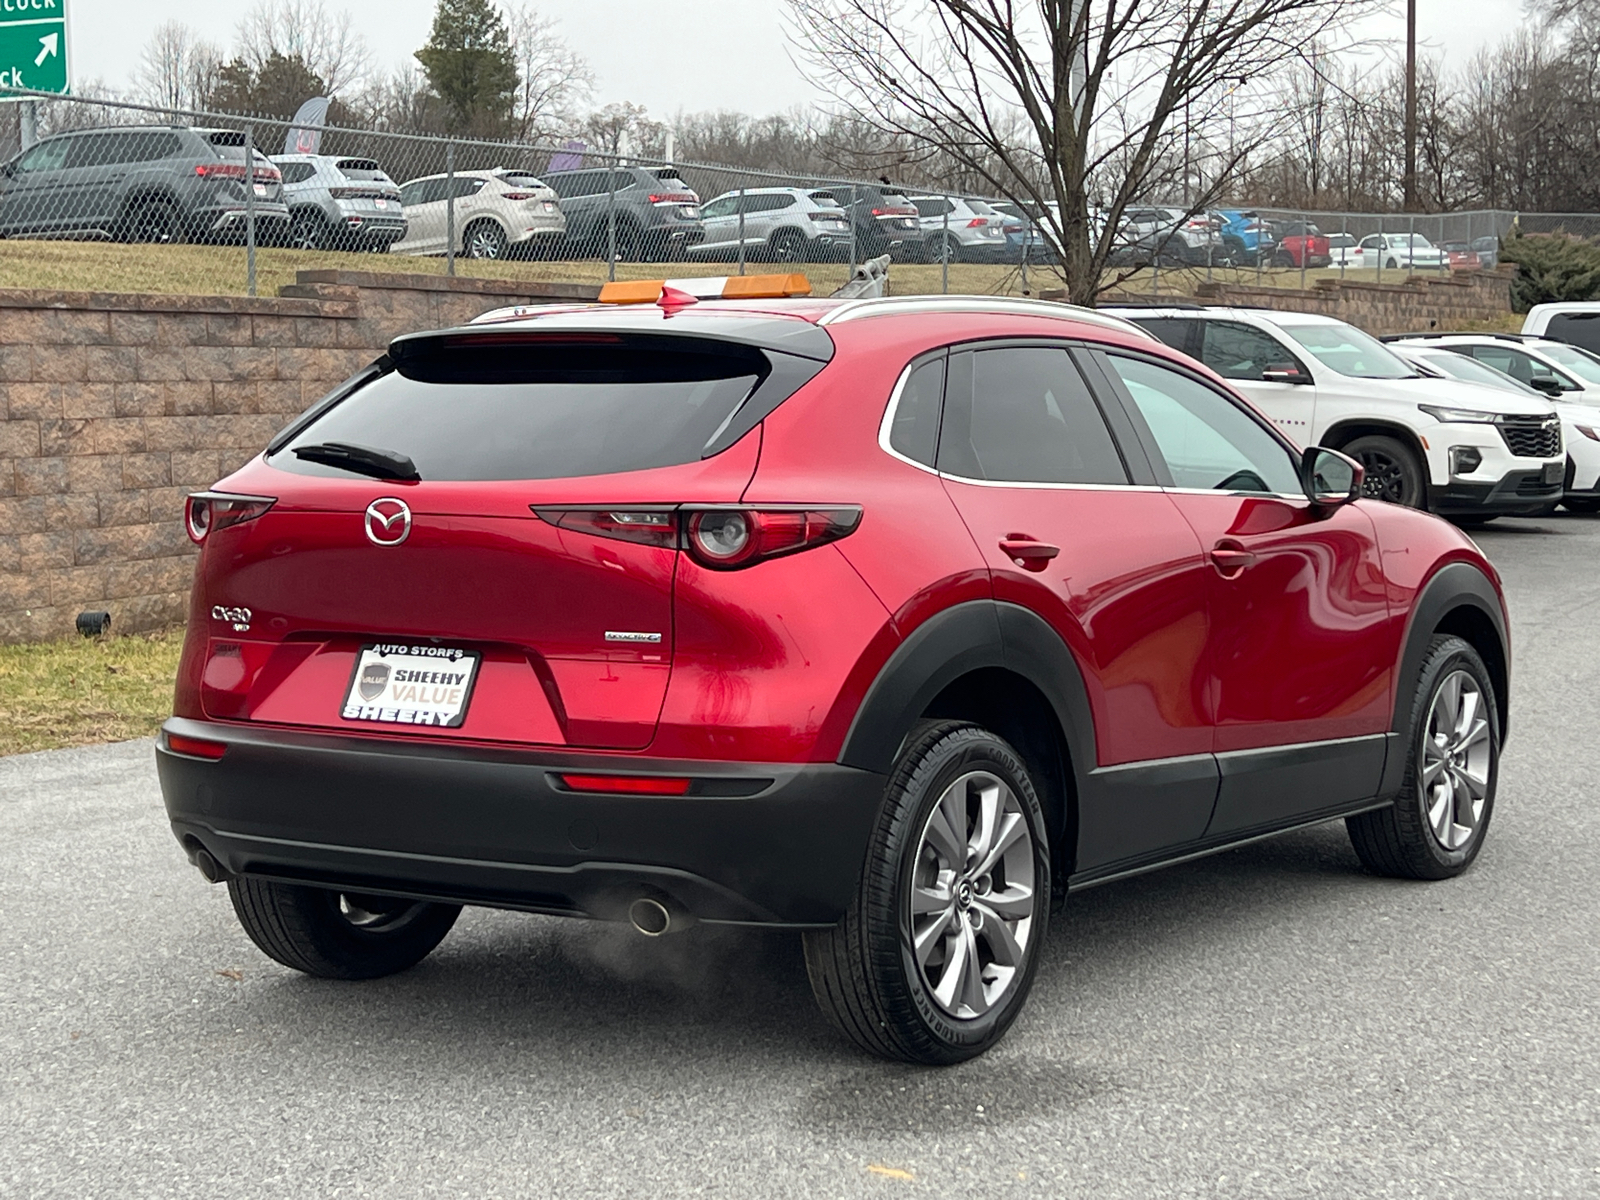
(768,843)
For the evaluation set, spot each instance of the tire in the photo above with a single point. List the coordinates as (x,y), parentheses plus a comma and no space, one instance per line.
(866,972)
(484,239)
(1420,836)
(787,246)
(1391,265)
(1393,471)
(1282,259)
(1583,504)
(939,245)
(308,231)
(627,243)
(152,222)
(338,935)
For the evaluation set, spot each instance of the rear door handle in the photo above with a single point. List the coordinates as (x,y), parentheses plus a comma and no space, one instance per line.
(1027,553)
(1230,558)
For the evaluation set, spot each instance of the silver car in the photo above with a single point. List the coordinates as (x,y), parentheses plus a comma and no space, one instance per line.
(780,224)
(338,203)
(964,230)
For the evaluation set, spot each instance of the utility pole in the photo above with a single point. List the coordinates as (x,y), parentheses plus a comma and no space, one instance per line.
(1411,204)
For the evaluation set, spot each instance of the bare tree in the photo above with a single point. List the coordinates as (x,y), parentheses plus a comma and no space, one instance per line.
(1104,91)
(329,46)
(177,69)
(554,78)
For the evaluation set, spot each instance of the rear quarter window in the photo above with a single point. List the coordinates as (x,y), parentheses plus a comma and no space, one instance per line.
(472,407)
(1581,329)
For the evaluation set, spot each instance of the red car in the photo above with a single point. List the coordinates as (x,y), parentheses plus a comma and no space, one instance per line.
(1301,244)
(888,621)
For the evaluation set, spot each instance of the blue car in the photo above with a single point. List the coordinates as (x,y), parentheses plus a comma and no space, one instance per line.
(1024,235)
(1247,236)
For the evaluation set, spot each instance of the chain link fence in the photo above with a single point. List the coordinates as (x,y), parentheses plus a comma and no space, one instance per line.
(113,196)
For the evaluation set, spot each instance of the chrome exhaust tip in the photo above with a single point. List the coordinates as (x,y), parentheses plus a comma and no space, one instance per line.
(210,869)
(651,917)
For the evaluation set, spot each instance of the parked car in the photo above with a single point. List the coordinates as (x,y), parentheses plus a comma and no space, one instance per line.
(1568,376)
(1343,251)
(960,230)
(1576,322)
(885,220)
(1580,423)
(1460,450)
(1247,238)
(1301,244)
(1488,249)
(339,203)
(139,183)
(1168,235)
(498,214)
(527,615)
(1400,251)
(781,224)
(1459,256)
(646,218)
(1026,235)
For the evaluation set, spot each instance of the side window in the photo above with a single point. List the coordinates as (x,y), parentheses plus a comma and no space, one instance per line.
(778,200)
(93,150)
(1207,441)
(46,156)
(1370,242)
(581,183)
(1579,329)
(413,192)
(1176,332)
(463,187)
(1237,351)
(932,206)
(623,180)
(1522,367)
(299,172)
(915,430)
(1024,415)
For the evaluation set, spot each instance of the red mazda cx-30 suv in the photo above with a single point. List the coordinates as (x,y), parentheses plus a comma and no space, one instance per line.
(890,621)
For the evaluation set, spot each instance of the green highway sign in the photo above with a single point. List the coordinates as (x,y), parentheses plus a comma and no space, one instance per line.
(33,45)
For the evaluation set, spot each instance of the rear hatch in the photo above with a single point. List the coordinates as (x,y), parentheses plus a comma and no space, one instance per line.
(495,557)
(364,188)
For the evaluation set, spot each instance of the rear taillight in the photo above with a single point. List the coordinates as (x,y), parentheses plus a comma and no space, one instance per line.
(723,538)
(206,512)
(520,196)
(220,170)
(196,747)
(674,198)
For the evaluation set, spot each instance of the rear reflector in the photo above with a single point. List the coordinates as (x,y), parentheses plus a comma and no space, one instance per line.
(711,287)
(195,747)
(632,785)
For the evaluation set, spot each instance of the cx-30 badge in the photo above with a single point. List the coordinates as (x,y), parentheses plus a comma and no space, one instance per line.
(387,521)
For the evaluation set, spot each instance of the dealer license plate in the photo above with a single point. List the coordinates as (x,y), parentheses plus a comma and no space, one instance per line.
(399,684)
(382,203)
(1554,472)
(261,189)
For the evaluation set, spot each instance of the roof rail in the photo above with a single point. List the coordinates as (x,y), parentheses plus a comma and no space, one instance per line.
(889,306)
(1439,333)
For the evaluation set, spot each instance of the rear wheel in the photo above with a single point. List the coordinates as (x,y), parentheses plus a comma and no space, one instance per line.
(935,956)
(1436,826)
(1393,472)
(152,221)
(338,935)
(308,231)
(484,239)
(787,246)
(1583,504)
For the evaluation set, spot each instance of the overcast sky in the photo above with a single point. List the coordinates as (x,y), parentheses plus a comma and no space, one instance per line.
(665,54)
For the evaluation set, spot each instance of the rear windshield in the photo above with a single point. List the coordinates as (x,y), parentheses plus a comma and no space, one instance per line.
(481,407)
(363,170)
(522,179)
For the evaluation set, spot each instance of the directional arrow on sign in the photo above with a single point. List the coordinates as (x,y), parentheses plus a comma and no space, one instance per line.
(52,46)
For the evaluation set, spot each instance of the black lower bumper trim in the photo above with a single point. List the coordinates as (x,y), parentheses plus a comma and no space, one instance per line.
(1519,493)
(491,828)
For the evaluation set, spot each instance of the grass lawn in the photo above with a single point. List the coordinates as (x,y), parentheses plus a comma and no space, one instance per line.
(86,690)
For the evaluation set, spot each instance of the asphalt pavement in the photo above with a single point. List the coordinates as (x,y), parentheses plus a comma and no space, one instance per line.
(1270,1022)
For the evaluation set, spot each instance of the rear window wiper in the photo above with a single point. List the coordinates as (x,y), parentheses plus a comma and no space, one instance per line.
(363,460)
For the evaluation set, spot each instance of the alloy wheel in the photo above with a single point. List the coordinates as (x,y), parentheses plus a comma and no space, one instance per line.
(485,241)
(1385,477)
(1457,757)
(972,895)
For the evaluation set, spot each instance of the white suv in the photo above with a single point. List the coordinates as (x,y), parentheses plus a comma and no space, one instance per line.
(1458,449)
(498,214)
(1568,375)
(1575,321)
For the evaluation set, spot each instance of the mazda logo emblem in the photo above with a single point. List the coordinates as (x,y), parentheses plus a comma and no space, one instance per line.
(387,522)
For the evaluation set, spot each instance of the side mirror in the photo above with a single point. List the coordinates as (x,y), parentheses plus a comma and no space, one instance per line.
(1284,373)
(1550,387)
(1329,478)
